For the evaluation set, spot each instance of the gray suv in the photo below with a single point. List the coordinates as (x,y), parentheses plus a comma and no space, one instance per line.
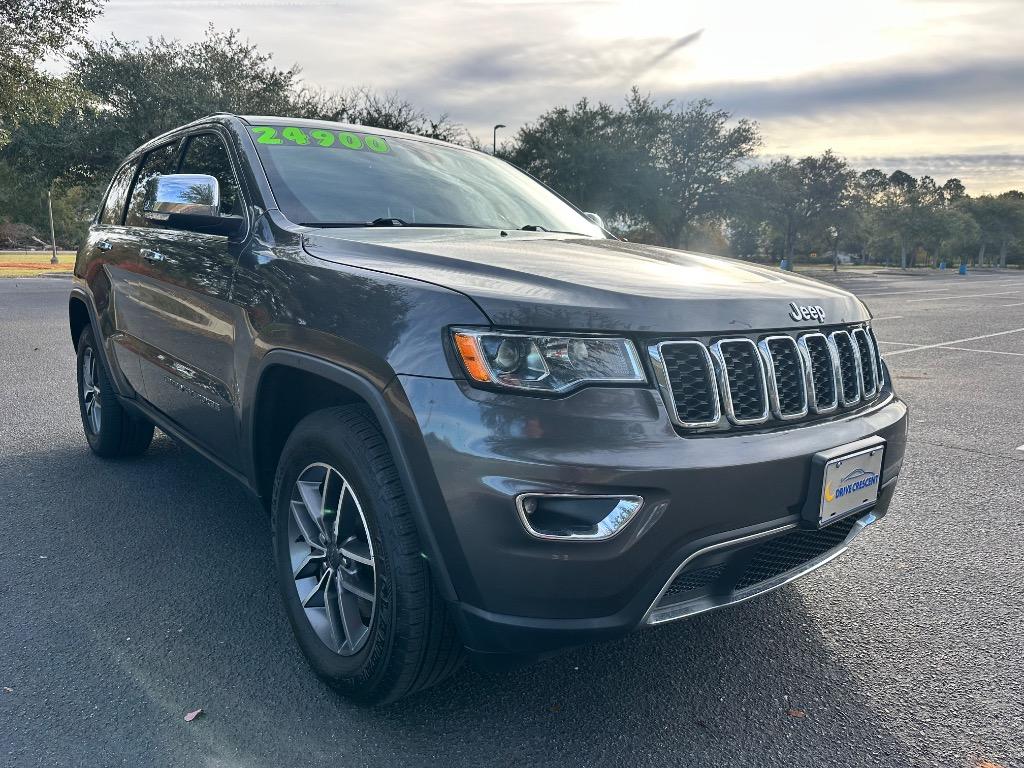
(481,425)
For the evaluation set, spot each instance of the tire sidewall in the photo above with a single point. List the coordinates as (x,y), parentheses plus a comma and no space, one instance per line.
(364,670)
(97,440)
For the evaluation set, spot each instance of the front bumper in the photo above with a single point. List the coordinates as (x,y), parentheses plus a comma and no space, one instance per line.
(714,494)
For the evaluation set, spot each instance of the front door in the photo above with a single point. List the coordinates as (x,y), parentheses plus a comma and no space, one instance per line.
(189,334)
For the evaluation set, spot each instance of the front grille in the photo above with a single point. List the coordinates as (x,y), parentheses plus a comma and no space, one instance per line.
(747,382)
(746,568)
(776,556)
(688,581)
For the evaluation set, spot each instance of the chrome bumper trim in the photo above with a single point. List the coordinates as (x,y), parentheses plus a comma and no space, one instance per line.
(702,605)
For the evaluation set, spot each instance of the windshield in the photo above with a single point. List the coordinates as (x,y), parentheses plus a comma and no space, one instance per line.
(325,177)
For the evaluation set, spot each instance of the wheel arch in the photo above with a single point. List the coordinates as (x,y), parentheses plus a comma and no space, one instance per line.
(78,317)
(291,385)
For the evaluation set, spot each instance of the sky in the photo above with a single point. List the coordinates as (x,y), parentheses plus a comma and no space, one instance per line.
(929,86)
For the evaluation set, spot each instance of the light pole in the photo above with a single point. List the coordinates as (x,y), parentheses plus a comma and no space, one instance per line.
(53,240)
(494,149)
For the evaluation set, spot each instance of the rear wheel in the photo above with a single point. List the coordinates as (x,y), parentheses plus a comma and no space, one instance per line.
(357,590)
(111,430)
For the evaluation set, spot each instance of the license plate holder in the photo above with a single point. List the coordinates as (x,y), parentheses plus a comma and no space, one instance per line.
(844,481)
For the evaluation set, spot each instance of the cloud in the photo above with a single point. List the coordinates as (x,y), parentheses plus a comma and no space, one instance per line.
(668,51)
(898,85)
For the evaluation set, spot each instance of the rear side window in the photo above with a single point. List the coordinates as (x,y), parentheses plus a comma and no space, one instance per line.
(207,154)
(113,206)
(158,162)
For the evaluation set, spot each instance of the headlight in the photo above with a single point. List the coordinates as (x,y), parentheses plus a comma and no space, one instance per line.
(546,363)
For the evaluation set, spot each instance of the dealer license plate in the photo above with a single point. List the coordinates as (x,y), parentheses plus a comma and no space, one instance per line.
(850,484)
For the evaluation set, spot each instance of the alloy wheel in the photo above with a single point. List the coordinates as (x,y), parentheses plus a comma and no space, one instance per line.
(332,558)
(91,390)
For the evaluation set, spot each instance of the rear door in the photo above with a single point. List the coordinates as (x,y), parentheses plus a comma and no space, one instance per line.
(109,265)
(189,332)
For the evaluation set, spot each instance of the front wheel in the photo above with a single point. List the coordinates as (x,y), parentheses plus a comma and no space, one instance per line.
(356,587)
(111,430)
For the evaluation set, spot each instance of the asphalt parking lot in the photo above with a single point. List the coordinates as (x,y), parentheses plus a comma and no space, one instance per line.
(134,592)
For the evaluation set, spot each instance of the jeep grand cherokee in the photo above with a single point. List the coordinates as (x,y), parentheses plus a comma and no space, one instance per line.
(481,425)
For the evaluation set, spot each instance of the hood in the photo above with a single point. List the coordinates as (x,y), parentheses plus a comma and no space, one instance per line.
(562,282)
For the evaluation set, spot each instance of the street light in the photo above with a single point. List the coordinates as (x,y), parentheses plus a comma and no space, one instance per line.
(494,151)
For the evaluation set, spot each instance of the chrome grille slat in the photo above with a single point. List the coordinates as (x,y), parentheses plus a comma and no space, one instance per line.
(787,387)
(749,381)
(741,380)
(868,365)
(686,374)
(822,372)
(850,383)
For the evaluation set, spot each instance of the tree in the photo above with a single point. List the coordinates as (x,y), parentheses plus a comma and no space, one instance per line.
(1000,221)
(811,197)
(696,156)
(363,106)
(588,153)
(30,31)
(655,167)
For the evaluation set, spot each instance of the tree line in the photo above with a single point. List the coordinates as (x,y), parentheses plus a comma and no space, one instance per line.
(685,175)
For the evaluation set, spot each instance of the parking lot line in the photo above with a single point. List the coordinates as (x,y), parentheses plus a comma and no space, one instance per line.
(904,293)
(1018,304)
(986,351)
(962,296)
(890,317)
(953,341)
(898,343)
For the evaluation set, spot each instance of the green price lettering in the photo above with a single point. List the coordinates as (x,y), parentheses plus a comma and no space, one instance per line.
(265,134)
(292,134)
(350,140)
(322,137)
(296,135)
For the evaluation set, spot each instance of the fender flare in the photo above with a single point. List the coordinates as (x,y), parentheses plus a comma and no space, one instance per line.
(375,398)
(116,377)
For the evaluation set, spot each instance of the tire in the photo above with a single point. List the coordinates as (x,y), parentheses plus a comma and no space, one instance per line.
(374,651)
(112,431)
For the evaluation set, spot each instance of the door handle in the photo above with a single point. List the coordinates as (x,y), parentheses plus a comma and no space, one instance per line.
(152,256)
(104,245)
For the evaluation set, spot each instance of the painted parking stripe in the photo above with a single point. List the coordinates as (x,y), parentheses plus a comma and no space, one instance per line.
(890,317)
(904,293)
(985,351)
(1018,304)
(963,296)
(953,341)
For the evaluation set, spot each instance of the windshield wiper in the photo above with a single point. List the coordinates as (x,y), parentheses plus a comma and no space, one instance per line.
(391,221)
(539,228)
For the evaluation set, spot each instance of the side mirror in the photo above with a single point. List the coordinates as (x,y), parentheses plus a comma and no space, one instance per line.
(189,201)
(593,218)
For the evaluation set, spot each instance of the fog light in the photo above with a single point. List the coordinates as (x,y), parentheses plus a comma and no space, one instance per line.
(566,517)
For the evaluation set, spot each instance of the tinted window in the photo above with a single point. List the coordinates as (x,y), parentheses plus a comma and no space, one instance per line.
(113,207)
(206,154)
(157,163)
(323,177)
